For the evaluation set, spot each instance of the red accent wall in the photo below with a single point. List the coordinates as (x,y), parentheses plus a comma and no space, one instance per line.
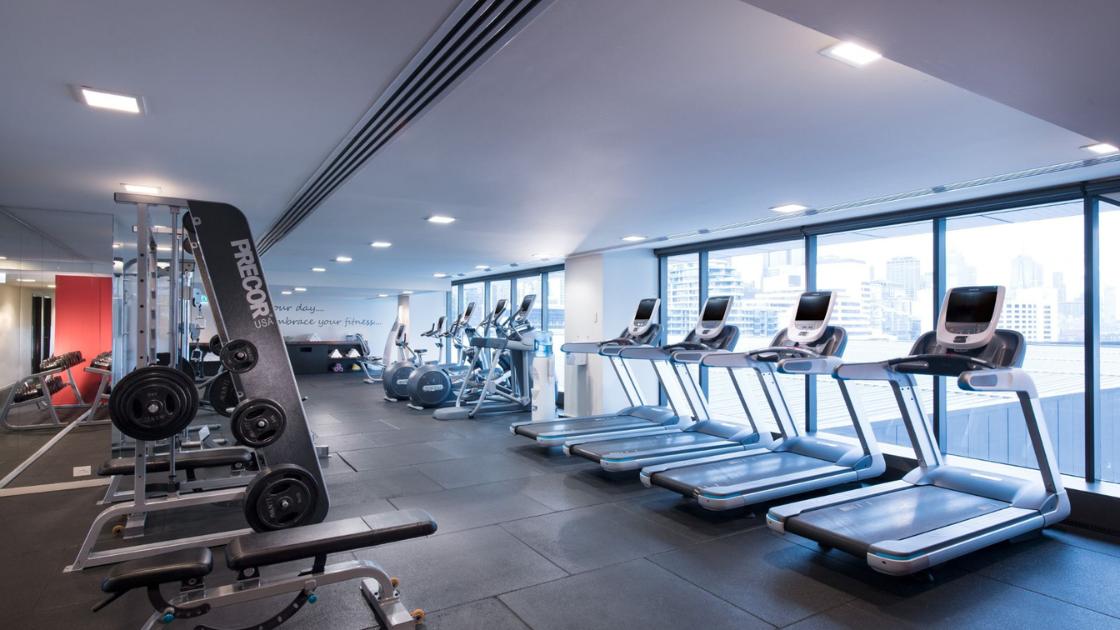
(83,320)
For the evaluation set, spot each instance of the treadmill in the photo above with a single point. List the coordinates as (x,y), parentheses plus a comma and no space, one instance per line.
(795,463)
(938,511)
(638,416)
(699,434)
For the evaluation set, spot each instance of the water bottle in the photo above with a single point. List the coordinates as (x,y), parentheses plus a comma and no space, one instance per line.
(542,346)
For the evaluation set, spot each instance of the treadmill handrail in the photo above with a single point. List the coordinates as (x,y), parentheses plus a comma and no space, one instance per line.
(751,358)
(581,347)
(810,365)
(998,380)
(693,356)
(648,353)
(870,371)
(616,346)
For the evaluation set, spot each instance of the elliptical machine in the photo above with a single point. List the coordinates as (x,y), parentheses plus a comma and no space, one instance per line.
(435,385)
(394,379)
(488,388)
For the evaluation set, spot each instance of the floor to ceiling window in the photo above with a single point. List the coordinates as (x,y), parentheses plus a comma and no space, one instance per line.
(1037,254)
(682,302)
(765,282)
(1110,337)
(884,277)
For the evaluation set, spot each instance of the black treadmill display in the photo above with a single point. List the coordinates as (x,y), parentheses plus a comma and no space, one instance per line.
(715,310)
(645,310)
(971,307)
(813,307)
(500,307)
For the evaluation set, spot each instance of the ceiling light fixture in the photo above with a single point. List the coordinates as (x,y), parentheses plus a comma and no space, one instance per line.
(1102,148)
(109,100)
(285,293)
(299,289)
(482,267)
(163,248)
(406,292)
(50,286)
(380,295)
(318,269)
(141,190)
(343,259)
(3,257)
(439,274)
(25,279)
(381,244)
(437,218)
(852,54)
(118,245)
(634,238)
(543,256)
(789,208)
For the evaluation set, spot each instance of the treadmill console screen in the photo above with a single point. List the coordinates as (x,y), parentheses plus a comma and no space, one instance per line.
(645,310)
(813,307)
(969,316)
(971,307)
(715,309)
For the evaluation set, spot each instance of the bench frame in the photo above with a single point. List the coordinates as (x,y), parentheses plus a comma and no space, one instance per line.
(376,587)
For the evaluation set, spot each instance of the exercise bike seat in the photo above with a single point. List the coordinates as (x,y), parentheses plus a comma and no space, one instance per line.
(175,566)
(284,545)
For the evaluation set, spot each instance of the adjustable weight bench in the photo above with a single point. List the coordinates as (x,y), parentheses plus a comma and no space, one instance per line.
(249,553)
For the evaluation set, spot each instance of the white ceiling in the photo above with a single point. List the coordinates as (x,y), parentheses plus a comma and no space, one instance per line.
(600,119)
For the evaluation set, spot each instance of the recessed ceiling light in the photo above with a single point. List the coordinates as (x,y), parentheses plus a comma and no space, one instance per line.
(163,265)
(118,245)
(285,293)
(852,54)
(25,279)
(543,256)
(141,190)
(163,248)
(1102,148)
(109,100)
(406,292)
(50,286)
(382,295)
(343,259)
(439,274)
(437,218)
(299,289)
(381,244)
(3,257)
(482,267)
(789,208)
(633,238)
(318,269)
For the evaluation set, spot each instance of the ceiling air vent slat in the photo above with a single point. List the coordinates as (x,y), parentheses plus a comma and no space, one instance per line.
(473,31)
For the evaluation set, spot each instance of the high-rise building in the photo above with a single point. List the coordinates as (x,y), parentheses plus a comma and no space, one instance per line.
(906,272)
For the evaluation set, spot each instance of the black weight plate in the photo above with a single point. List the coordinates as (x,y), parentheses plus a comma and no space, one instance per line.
(281,497)
(239,355)
(222,394)
(216,345)
(258,422)
(153,403)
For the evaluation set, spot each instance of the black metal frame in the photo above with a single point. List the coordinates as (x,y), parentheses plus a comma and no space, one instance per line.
(1090,193)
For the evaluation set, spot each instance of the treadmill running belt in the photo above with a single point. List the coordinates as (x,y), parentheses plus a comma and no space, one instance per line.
(898,515)
(621,448)
(583,425)
(712,477)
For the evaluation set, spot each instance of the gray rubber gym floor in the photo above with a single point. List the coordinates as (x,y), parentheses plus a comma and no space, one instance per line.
(533,539)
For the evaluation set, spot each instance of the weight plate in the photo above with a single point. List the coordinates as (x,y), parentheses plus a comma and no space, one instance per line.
(258,422)
(281,497)
(153,403)
(222,394)
(239,355)
(216,345)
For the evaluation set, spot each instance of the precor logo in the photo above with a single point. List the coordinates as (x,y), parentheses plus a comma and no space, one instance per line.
(251,280)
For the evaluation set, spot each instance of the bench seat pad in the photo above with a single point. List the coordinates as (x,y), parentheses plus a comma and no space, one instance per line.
(268,548)
(173,566)
(206,458)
